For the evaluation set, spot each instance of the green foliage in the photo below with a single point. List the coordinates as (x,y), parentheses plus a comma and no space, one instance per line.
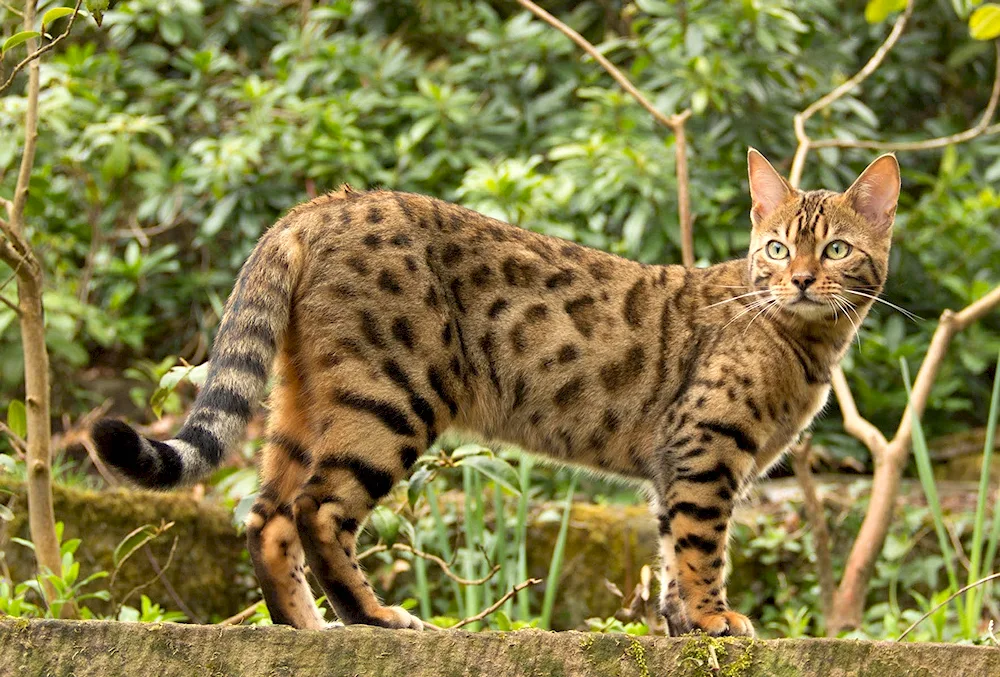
(174,136)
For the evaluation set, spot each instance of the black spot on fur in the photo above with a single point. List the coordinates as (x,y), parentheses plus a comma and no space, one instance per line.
(563,278)
(536,312)
(374,215)
(370,329)
(452,254)
(498,307)
(519,273)
(372,241)
(481,275)
(402,331)
(568,393)
(581,311)
(616,375)
(387,282)
(567,353)
(636,304)
(391,416)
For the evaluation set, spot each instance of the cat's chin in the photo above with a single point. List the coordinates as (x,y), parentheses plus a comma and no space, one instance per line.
(809,309)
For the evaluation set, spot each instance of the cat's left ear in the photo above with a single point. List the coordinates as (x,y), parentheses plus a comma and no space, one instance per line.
(875,193)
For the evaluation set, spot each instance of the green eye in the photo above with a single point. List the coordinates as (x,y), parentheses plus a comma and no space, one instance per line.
(837,249)
(776,250)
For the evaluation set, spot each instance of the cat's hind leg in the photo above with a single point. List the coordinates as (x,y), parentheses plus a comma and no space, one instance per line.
(371,438)
(272,537)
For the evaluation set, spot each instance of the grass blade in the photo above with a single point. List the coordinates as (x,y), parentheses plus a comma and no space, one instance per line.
(441,532)
(552,580)
(926,473)
(523,599)
(984,485)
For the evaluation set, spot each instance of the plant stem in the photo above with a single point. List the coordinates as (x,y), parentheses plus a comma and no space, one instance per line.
(523,599)
(974,602)
(555,565)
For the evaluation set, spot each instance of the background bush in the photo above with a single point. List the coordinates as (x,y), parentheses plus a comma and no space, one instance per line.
(172,138)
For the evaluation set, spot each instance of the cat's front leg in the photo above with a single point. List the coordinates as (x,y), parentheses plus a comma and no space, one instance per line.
(696,509)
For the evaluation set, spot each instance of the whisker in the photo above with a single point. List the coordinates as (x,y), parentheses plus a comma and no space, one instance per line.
(736,298)
(748,308)
(764,310)
(892,305)
(848,307)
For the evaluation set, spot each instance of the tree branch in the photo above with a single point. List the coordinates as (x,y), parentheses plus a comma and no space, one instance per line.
(33,55)
(801,464)
(433,558)
(674,122)
(799,122)
(890,459)
(981,128)
(497,604)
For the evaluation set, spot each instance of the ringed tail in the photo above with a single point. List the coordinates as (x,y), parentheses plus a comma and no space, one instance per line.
(253,327)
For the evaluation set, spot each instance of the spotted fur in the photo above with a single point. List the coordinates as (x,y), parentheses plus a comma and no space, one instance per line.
(392,317)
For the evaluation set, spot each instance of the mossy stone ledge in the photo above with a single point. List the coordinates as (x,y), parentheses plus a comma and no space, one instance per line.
(100,648)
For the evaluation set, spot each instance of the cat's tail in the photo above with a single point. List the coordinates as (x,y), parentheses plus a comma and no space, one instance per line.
(253,327)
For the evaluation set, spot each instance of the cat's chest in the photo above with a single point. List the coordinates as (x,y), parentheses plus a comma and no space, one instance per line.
(803,408)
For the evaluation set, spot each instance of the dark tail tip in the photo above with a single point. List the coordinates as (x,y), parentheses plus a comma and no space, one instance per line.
(151,464)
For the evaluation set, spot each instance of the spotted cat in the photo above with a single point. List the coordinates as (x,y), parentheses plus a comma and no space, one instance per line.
(391,317)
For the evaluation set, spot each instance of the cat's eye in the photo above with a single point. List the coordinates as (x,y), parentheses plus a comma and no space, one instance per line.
(776,250)
(837,249)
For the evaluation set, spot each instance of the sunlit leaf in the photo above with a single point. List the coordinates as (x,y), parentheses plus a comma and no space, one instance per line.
(984,24)
(495,469)
(17,418)
(55,13)
(877,11)
(17,39)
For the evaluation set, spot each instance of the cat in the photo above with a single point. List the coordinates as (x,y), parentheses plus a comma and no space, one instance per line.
(392,316)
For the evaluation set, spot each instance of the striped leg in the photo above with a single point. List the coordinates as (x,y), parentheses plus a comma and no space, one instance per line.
(670,602)
(369,444)
(698,510)
(272,538)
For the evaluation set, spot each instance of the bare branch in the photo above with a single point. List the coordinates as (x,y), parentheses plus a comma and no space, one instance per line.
(16,441)
(497,604)
(238,618)
(799,122)
(801,464)
(32,55)
(674,122)
(982,128)
(890,459)
(854,424)
(433,558)
(955,594)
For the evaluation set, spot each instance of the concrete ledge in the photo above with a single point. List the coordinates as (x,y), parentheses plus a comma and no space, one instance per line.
(64,648)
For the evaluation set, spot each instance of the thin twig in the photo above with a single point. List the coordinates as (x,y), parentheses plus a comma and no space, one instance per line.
(41,50)
(16,441)
(801,459)
(981,128)
(433,558)
(166,583)
(955,594)
(238,618)
(157,569)
(496,605)
(17,311)
(674,122)
(799,122)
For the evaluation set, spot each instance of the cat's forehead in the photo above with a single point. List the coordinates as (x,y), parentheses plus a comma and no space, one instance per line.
(810,214)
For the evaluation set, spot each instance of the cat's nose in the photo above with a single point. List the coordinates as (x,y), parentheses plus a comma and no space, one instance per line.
(803,280)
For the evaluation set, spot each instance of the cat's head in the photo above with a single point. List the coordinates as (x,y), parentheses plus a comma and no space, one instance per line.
(815,250)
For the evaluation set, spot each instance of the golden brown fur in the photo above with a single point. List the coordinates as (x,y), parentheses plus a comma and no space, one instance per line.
(397,316)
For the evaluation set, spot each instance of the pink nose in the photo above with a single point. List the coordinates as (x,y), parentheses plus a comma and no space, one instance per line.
(803,280)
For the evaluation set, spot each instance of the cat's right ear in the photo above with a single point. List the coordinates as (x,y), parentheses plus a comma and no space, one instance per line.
(767,188)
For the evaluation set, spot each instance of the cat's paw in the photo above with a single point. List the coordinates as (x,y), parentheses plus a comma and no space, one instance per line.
(400,618)
(728,623)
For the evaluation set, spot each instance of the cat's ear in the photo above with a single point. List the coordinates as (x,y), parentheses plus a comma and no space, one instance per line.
(767,188)
(874,194)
